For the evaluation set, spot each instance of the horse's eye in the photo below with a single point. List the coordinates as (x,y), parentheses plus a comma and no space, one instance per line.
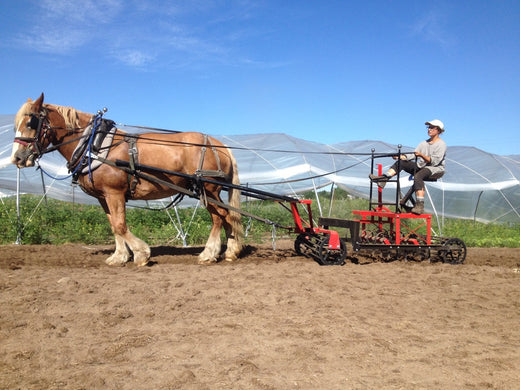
(33,123)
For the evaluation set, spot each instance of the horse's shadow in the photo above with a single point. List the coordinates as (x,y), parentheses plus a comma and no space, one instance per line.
(178,254)
(160,251)
(165,250)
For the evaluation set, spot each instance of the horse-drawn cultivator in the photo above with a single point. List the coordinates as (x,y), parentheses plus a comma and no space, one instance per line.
(380,232)
(114,166)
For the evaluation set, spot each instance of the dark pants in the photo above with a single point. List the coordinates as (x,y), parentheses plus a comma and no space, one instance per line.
(419,174)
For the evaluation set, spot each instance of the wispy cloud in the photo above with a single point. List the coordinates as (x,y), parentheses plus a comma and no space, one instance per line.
(144,33)
(60,27)
(81,12)
(53,40)
(263,64)
(433,28)
(133,58)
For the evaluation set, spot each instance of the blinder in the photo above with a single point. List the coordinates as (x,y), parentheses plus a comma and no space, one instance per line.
(34,122)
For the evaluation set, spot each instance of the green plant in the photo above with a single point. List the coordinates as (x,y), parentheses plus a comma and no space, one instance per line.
(55,222)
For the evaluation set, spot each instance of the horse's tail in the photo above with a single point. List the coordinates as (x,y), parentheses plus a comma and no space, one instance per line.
(237,229)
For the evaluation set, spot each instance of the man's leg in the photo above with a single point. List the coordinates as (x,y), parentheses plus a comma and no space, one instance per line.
(404,165)
(419,177)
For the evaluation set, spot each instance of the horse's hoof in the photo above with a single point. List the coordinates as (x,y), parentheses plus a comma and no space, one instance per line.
(141,257)
(115,261)
(207,261)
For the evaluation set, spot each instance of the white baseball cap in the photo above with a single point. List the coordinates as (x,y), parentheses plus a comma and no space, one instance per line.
(436,123)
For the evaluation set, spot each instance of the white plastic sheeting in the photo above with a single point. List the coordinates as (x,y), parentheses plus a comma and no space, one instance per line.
(477,185)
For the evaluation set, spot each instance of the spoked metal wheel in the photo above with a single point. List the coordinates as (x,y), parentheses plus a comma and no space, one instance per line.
(327,256)
(453,251)
(304,245)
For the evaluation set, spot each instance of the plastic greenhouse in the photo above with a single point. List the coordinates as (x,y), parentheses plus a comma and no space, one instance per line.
(477,185)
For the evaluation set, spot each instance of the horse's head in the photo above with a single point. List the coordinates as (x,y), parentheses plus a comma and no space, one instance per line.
(31,128)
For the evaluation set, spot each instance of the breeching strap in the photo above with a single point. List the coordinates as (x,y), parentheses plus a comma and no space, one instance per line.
(209,173)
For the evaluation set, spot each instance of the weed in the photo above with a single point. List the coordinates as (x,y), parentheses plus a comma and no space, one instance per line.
(56,222)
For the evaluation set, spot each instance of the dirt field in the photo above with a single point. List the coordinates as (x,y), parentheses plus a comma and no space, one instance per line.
(272,320)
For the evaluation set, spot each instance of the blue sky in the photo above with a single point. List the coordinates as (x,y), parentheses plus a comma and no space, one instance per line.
(324,71)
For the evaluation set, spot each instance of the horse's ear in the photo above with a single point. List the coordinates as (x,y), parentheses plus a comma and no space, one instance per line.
(38,103)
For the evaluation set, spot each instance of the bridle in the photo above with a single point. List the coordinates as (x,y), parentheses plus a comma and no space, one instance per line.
(40,124)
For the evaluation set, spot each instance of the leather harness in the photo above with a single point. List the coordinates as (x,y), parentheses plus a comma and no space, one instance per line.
(134,173)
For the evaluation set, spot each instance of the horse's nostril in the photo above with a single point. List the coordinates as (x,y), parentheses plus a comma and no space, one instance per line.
(19,159)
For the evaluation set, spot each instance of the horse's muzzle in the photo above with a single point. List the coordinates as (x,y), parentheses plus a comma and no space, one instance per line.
(23,158)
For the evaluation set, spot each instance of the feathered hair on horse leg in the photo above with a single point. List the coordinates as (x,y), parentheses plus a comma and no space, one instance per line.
(235,238)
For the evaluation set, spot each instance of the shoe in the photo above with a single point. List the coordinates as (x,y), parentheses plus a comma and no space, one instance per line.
(380,180)
(418,208)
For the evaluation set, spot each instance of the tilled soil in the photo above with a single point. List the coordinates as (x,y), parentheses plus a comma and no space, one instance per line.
(271,320)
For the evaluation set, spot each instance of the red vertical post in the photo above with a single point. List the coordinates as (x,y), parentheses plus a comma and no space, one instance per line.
(397,229)
(429,230)
(379,189)
(296,216)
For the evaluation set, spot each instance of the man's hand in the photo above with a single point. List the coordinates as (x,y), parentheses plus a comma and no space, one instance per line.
(420,155)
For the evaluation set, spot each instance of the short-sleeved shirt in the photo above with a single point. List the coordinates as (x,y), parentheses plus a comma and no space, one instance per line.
(436,152)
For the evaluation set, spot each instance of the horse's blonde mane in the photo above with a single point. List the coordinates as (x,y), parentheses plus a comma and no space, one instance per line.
(69,114)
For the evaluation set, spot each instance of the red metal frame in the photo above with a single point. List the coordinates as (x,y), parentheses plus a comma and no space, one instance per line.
(397,226)
(334,242)
(382,217)
(393,226)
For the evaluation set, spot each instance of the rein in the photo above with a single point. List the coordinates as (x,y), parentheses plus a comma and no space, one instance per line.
(56,147)
(155,142)
(40,123)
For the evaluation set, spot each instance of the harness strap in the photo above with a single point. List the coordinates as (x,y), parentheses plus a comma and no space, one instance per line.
(133,160)
(211,173)
(124,165)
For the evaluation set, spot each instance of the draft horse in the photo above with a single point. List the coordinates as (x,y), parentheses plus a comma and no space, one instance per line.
(39,125)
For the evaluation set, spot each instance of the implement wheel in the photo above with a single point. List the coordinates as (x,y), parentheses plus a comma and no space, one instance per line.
(453,251)
(327,256)
(303,245)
